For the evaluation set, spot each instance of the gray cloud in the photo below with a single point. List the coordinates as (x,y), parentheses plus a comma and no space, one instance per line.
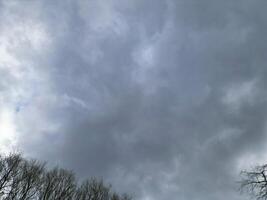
(164,99)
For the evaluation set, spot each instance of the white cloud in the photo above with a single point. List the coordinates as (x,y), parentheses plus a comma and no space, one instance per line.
(22,42)
(76,101)
(102,17)
(239,94)
(7,131)
(250,159)
(145,56)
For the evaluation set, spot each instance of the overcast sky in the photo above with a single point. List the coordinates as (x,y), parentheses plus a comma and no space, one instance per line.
(165,99)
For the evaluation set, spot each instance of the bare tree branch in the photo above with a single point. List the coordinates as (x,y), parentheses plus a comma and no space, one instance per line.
(255,182)
(22,179)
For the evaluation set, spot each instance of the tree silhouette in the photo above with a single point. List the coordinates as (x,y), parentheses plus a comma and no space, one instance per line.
(22,179)
(254,182)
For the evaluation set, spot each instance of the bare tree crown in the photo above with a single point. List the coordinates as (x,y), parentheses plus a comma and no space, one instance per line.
(22,179)
(254,182)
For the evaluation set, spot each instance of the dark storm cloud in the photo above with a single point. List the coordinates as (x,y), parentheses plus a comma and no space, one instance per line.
(164,99)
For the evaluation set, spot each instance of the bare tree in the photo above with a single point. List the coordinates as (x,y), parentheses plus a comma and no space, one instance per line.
(22,179)
(58,184)
(116,196)
(8,170)
(27,181)
(255,182)
(93,190)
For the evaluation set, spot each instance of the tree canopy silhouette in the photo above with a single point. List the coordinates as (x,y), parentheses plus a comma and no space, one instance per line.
(254,182)
(22,179)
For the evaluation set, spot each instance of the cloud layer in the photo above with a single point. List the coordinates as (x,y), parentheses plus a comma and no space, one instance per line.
(164,99)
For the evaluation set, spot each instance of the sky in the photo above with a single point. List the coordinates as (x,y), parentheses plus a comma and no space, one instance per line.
(164,99)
